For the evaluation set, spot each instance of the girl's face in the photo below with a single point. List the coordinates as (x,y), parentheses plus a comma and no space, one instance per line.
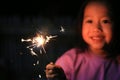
(96,26)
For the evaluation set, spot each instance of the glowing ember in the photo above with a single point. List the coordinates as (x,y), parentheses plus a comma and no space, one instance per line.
(38,40)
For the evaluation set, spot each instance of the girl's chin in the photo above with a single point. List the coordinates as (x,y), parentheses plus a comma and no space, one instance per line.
(97,47)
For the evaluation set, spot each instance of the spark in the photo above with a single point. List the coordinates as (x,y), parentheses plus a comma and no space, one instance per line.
(38,41)
(40,76)
(62,29)
(27,40)
(34,64)
(37,63)
(32,52)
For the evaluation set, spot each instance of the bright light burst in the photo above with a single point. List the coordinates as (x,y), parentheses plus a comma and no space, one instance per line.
(38,41)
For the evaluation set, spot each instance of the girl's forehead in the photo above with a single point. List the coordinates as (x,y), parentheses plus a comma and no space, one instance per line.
(98,10)
(96,7)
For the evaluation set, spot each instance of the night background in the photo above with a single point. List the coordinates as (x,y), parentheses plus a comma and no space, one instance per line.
(22,19)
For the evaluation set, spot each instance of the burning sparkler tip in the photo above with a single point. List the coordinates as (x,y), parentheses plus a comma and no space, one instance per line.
(38,41)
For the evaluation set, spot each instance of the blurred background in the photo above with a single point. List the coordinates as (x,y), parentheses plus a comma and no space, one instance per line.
(22,19)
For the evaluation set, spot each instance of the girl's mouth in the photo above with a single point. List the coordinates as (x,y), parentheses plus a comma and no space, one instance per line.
(97,38)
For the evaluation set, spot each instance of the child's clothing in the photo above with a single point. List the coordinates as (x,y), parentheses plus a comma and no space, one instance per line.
(79,65)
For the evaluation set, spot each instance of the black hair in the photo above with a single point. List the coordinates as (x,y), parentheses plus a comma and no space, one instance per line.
(114,45)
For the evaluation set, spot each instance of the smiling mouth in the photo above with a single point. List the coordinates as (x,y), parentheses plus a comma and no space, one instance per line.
(97,38)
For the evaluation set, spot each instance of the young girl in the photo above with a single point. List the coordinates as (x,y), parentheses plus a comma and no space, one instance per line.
(94,59)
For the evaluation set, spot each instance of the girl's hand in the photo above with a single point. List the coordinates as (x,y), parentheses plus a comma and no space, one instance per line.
(54,72)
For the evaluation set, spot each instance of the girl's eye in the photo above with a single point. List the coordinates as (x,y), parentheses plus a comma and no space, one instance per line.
(89,21)
(106,21)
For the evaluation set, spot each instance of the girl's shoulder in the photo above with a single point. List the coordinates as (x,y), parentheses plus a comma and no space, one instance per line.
(74,51)
(70,57)
(72,54)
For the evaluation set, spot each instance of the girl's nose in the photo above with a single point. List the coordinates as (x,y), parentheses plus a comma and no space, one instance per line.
(97,28)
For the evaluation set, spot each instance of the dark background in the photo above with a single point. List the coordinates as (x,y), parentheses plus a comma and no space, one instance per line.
(21,19)
(41,7)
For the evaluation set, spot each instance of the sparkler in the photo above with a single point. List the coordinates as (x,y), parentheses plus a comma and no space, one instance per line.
(38,41)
